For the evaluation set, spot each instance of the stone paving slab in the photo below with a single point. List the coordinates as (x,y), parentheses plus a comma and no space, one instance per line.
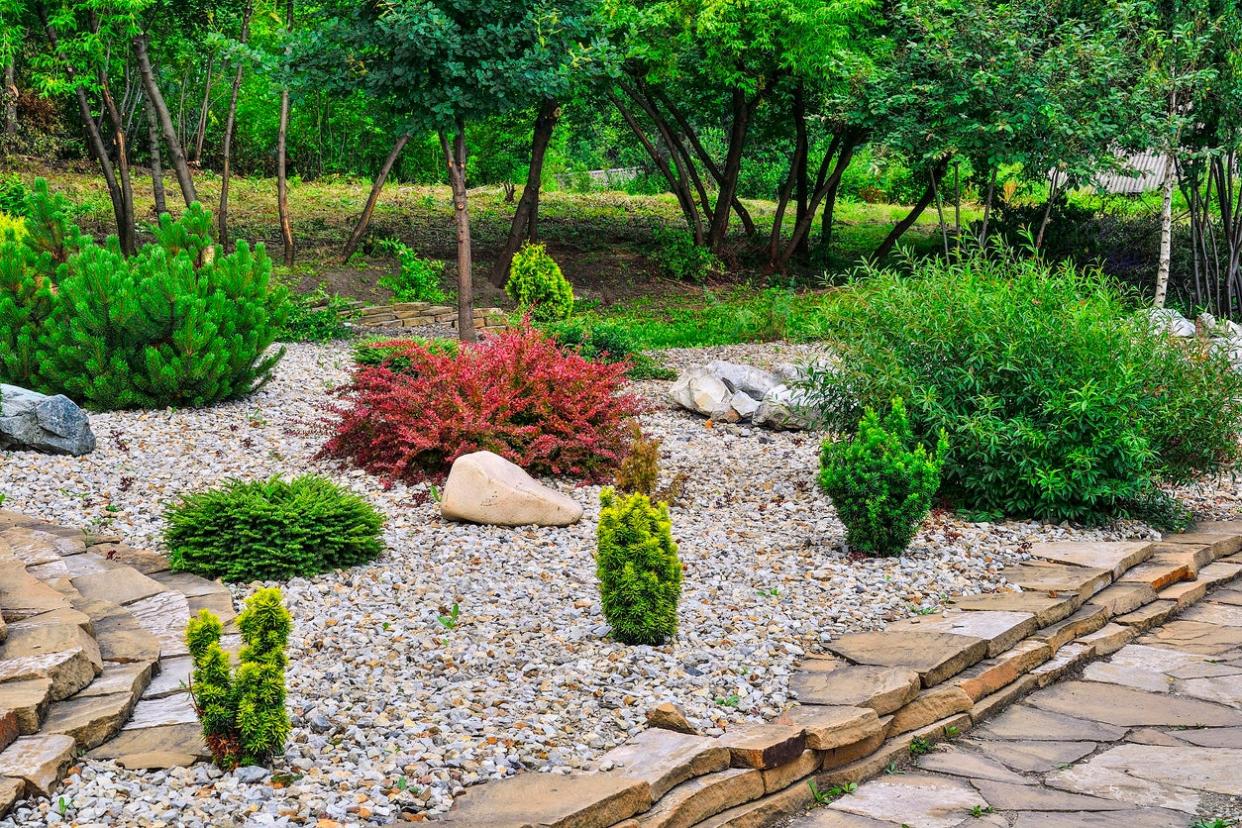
(1115,556)
(935,656)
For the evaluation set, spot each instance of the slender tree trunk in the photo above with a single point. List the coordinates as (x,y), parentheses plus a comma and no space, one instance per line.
(10,98)
(944,233)
(127,236)
(825,192)
(525,217)
(1166,236)
(987,209)
(222,218)
(455,157)
(157,168)
(282,183)
(929,193)
(801,149)
(155,97)
(732,168)
(1043,223)
(377,186)
(201,132)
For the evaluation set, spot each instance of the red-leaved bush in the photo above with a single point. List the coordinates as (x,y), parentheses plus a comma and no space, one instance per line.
(516,394)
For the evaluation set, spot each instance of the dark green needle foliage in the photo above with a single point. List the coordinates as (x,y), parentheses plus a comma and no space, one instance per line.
(271,529)
(638,568)
(242,711)
(178,324)
(881,481)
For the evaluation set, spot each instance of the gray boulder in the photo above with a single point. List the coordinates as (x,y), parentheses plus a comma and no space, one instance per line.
(699,390)
(752,381)
(784,408)
(1171,322)
(36,422)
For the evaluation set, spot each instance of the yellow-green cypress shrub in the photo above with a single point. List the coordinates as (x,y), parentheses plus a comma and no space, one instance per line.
(638,568)
(538,286)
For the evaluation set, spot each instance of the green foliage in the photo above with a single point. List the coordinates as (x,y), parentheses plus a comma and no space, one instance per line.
(682,259)
(242,711)
(418,279)
(178,324)
(381,350)
(1059,400)
(317,316)
(271,529)
(881,481)
(638,568)
(603,340)
(12,195)
(538,286)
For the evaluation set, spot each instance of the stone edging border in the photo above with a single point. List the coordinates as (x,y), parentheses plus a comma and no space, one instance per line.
(422,314)
(920,681)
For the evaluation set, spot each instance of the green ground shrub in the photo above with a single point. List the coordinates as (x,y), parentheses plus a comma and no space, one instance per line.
(381,350)
(177,324)
(538,286)
(418,280)
(681,258)
(316,316)
(271,529)
(242,711)
(603,340)
(1058,398)
(881,481)
(638,568)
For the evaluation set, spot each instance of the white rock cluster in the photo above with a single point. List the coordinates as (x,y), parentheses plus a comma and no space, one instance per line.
(736,393)
(1225,334)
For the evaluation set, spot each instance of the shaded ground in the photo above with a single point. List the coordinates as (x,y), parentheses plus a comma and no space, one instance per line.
(1149,738)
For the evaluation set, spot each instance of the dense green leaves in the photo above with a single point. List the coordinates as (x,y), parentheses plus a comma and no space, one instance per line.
(1059,401)
(271,529)
(881,481)
(538,286)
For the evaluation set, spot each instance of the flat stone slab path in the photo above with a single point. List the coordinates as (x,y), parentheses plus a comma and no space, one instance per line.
(1148,737)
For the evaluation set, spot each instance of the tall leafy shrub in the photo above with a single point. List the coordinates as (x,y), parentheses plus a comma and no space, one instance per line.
(516,394)
(1058,398)
(881,481)
(638,568)
(271,529)
(242,711)
(178,324)
(538,286)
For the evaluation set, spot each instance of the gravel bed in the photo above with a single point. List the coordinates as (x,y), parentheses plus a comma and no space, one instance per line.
(394,714)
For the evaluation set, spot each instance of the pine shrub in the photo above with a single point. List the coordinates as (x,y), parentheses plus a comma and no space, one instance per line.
(178,324)
(242,711)
(271,529)
(515,394)
(538,286)
(881,481)
(1059,399)
(638,568)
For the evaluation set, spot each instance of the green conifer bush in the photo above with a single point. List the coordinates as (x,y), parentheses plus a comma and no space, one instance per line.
(538,286)
(271,529)
(881,481)
(638,568)
(177,324)
(242,711)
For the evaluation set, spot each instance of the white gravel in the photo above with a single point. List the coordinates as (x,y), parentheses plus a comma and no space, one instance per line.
(393,713)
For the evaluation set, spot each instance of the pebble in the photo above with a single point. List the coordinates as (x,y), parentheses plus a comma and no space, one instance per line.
(392,713)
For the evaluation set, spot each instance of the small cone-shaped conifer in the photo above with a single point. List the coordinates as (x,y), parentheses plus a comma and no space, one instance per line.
(638,568)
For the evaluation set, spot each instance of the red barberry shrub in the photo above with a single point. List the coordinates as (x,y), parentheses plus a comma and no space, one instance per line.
(516,394)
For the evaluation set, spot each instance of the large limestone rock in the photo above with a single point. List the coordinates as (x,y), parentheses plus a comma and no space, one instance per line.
(486,488)
(34,421)
(698,390)
(735,393)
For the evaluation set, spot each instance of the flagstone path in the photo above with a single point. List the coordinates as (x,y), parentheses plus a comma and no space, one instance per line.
(1149,737)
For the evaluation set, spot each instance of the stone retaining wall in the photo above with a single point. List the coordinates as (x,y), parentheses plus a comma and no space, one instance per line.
(877,698)
(423,314)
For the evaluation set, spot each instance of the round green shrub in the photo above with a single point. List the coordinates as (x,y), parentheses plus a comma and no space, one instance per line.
(881,481)
(538,286)
(638,568)
(271,529)
(1059,398)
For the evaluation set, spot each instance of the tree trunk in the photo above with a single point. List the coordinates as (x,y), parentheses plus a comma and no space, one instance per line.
(127,235)
(729,175)
(154,96)
(1043,223)
(987,209)
(1166,237)
(10,98)
(360,229)
(201,132)
(525,217)
(157,168)
(222,218)
(455,157)
(929,193)
(282,183)
(800,154)
(823,192)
